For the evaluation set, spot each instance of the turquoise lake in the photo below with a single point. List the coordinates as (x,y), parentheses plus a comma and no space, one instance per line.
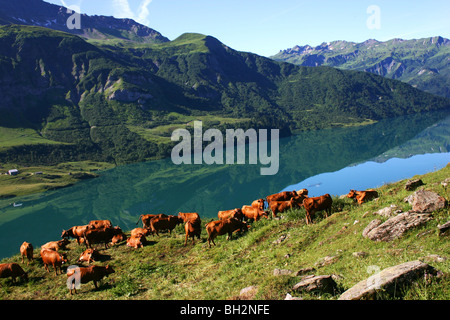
(327,161)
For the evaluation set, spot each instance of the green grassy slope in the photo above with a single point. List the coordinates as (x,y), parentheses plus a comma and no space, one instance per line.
(165,269)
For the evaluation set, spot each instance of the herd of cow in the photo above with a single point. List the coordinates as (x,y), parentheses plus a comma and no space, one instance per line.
(230,221)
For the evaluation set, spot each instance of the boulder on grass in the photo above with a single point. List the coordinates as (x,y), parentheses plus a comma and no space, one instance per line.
(389,282)
(396,226)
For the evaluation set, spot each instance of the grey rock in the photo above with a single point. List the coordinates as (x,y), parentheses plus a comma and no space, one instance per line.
(388,281)
(427,201)
(444,229)
(396,226)
(413,184)
(248,293)
(282,272)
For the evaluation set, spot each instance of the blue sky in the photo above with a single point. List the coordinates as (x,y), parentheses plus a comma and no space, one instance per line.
(267,26)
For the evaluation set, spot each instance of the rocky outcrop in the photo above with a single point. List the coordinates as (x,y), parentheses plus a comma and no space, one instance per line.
(389,281)
(413,184)
(427,201)
(395,227)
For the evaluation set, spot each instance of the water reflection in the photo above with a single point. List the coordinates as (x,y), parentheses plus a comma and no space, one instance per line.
(123,193)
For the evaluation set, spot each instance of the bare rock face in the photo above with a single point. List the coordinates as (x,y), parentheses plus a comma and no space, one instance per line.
(395,227)
(426,201)
(388,281)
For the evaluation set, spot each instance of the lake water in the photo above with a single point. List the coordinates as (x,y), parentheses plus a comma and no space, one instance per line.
(326,161)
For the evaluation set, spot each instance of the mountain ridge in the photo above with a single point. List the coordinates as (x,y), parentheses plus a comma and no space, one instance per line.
(41,13)
(422,63)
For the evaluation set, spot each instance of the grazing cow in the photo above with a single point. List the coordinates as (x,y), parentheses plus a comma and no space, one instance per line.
(188,216)
(26,250)
(192,229)
(56,245)
(54,258)
(169,223)
(282,206)
(87,274)
(252,213)
(75,232)
(316,204)
(234,213)
(221,227)
(281,196)
(259,203)
(136,241)
(99,224)
(363,196)
(146,218)
(118,238)
(103,235)
(142,231)
(12,270)
(89,255)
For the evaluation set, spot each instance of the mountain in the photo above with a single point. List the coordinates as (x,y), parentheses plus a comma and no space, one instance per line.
(66,97)
(119,103)
(422,63)
(40,13)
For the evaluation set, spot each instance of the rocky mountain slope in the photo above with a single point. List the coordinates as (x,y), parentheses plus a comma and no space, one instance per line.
(422,63)
(41,13)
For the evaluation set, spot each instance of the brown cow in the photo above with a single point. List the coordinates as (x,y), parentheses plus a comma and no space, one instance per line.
(12,270)
(221,227)
(146,218)
(26,250)
(87,274)
(281,196)
(75,232)
(54,258)
(252,213)
(89,255)
(56,245)
(302,192)
(234,213)
(118,238)
(192,229)
(103,235)
(143,231)
(316,204)
(188,216)
(259,203)
(136,241)
(99,224)
(169,223)
(282,206)
(363,196)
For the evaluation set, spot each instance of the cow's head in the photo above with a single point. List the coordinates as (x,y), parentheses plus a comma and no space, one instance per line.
(109,269)
(64,234)
(351,194)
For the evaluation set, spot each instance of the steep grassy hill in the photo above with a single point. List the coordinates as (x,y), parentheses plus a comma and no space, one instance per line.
(118,101)
(165,269)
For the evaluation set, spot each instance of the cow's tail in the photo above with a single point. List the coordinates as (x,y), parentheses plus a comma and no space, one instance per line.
(139,219)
